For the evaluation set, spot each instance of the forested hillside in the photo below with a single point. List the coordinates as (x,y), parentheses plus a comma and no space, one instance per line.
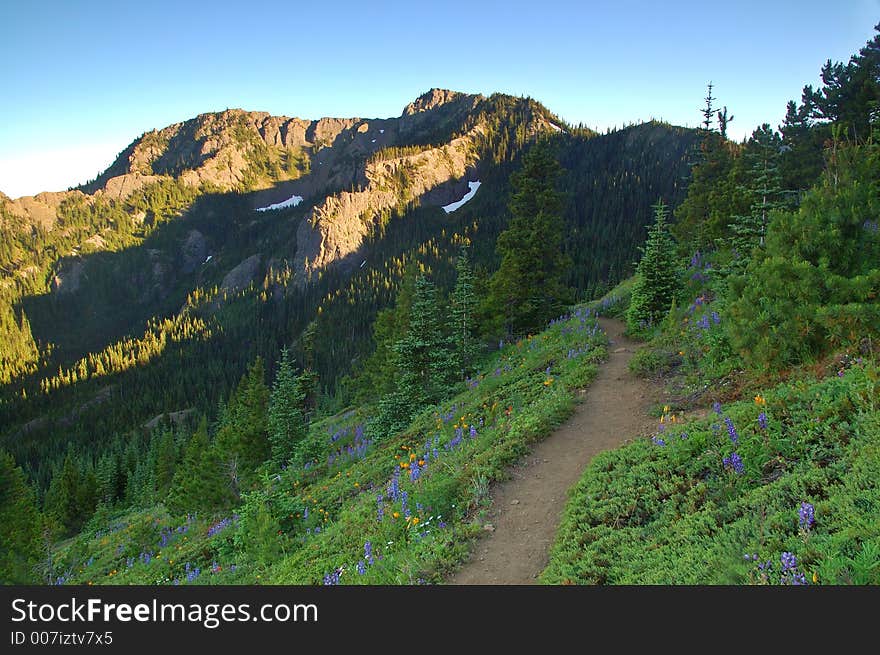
(263,349)
(149,291)
(764,326)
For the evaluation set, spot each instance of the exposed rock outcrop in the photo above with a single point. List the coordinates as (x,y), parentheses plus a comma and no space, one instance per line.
(68,276)
(242,275)
(193,251)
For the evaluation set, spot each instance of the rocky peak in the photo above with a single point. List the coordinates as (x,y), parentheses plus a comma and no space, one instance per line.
(431,99)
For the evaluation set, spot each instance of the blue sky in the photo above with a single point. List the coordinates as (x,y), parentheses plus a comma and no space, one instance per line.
(81,80)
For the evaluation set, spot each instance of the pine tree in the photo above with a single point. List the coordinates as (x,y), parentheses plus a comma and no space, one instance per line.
(464,305)
(763,188)
(107,475)
(376,377)
(20,526)
(424,363)
(65,496)
(200,483)
(709,111)
(528,289)
(242,439)
(286,422)
(166,460)
(723,121)
(656,277)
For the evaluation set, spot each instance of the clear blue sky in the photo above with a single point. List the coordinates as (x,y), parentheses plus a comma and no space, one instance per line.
(81,80)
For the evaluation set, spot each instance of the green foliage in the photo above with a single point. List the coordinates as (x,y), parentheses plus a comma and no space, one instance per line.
(200,482)
(656,276)
(816,285)
(463,306)
(297,525)
(287,425)
(72,496)
(675,514)
(529,287)
(242,439)
(20,537)
(762,185)
(424,361)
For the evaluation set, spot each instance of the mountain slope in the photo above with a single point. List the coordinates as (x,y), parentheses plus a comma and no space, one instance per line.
(151,288)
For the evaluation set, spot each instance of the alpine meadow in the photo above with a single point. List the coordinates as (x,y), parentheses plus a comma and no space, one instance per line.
(261,349)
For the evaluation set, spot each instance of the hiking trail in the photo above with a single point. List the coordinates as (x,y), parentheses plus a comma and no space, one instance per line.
(526,509)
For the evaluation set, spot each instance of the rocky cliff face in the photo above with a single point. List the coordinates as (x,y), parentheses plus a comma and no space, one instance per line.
(350,172)
(335,229)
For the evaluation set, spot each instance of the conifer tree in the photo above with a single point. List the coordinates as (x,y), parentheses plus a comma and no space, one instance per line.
(424,362)
(709,111)
(242,439)
(166,460)
(763,188)
(464,305)
(199,481)
(71,497)
(656,276)
(286,422)
(723,121)
(528,289)
(20,526)
(107,476)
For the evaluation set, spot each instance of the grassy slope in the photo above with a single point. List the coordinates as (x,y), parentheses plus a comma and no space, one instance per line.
(306,524)
(668,511)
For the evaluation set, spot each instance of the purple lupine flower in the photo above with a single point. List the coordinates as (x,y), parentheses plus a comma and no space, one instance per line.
(789,561)
(734,461)
(380,509)
(683,435)
(731,430)
(806,516)
(473,431)
(361,567)
(762,420)
(716,407)
(658,441)
(716,319)
(368,552)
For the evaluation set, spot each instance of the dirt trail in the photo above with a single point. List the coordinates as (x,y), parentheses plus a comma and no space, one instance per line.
(526,509)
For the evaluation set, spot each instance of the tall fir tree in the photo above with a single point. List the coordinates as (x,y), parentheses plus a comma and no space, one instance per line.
(20,526)
(657,279)
(242,440)
(463,312)
(763,188)
(424,362)
(286,421)
(529,288)
(375,378)
(709,111)
(200,483)
(72,494)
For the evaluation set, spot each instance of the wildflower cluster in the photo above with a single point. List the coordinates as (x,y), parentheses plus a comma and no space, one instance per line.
(666,418)
(354,451)
(219,526)
(698,270)
(806,517)
(765,572)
